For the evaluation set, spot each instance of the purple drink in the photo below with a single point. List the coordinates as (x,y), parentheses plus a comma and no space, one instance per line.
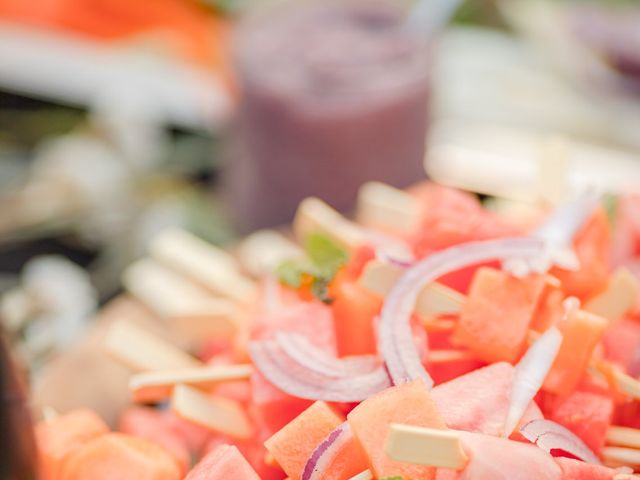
(333,94)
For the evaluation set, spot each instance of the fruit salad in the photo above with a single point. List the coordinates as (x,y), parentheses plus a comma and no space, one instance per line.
(429,336)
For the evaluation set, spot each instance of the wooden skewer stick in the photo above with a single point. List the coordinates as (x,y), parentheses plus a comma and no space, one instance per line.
(143,351)
(626,383)
(621,456)
(210,266)
(219,414)
(435,299)
(623,437)
(619,297)
(366,475)
(159,385)
(386,207)
(426,446)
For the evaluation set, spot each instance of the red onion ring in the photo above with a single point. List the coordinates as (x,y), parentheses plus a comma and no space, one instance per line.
(556,440)
(297,380)
(325,452)
(559,230)
(302,351)
(396,340)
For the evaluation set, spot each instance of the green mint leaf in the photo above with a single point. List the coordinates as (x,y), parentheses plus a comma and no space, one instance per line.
(290,273)
(326,255)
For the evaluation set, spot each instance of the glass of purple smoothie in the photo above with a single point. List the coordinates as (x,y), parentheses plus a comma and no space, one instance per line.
(333,93)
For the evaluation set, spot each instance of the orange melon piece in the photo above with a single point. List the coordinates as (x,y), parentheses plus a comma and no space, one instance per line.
(225,462)
(116,455)
(495,319)
(293,445)
(581,332)
(152,425)
(57,438)
(409,404)
(550,310)
(349,461)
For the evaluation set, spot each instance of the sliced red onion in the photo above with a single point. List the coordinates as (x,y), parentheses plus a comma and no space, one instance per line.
(396,340)
(557,440)
(302,351)
(390,248)
(529,376)
(297,380)
(557,233)
(393,259)
(325,453)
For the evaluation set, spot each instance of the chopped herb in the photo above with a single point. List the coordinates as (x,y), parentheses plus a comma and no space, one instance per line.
(610,205)
(397,477)
(324,259)
(325,254)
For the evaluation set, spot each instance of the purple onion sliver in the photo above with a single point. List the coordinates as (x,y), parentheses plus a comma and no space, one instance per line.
(296,380)
(325,452)
(551,436)
(302,351)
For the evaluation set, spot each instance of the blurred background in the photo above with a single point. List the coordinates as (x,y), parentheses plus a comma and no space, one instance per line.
(119,118)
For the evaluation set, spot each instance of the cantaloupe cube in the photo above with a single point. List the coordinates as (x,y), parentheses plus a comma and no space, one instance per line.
(293,445)
(409,404)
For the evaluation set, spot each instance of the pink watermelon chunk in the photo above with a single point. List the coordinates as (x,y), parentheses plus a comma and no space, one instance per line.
(150,424)
(478,401)
(271,407)
(587,414)
(577,470)
(493,458)
(224,463)
(622,345)
(312,319)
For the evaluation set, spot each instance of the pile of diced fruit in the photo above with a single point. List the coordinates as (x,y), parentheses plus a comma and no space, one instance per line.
(436,337)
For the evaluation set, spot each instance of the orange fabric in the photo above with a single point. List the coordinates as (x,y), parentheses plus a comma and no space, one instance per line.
(187,28)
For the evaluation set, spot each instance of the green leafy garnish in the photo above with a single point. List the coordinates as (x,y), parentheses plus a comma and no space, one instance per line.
(323,259)
(397,477)
(610,205)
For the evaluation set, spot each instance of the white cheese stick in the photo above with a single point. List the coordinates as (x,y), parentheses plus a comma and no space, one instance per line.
(620,296)
(210,266)
(219,414)
(388,208)
(143,351)
(435,298)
